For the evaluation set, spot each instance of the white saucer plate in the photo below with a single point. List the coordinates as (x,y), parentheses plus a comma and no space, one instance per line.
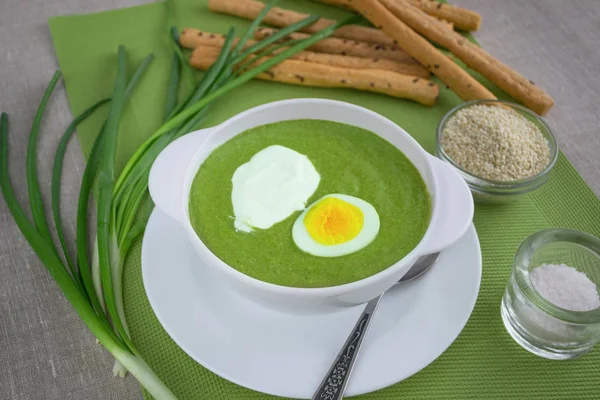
(287,355)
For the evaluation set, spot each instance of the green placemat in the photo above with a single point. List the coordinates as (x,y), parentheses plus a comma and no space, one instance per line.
(484,362)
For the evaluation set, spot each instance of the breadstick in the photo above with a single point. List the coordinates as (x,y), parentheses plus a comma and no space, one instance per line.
(461,18)
(279,17)
(346,47)
(303,73)
(445,22)
(338,3)
(474,56)
(351,62)
(463,84)
(345,4)
(192,38)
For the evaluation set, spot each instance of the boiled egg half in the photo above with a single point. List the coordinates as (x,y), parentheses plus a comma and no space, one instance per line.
(336,225)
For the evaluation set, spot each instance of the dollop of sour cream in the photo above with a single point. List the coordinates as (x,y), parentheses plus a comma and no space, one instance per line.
(276,182)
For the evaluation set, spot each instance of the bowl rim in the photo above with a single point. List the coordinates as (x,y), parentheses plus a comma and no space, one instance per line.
(523,278)
(483,182)
(325,291)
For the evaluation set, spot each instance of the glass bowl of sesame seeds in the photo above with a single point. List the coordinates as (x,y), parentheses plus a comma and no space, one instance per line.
(501,149)
(551,304)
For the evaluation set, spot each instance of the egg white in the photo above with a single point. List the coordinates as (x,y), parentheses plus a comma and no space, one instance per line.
(368,233)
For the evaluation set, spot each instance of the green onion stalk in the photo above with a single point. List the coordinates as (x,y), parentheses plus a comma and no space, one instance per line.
(38,236)
(94,285)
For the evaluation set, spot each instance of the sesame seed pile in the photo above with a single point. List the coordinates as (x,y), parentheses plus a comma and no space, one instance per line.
(495,143)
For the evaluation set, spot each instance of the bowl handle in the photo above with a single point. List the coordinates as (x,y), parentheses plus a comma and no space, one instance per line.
(168,173)
(456,208)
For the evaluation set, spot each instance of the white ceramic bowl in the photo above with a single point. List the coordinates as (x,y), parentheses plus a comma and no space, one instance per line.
(452,204)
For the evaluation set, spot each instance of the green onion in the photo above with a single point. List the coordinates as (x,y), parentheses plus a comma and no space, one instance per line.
(174,42)
(33,185)
(215,69)
(106,177)
(94,291)
(173,86)
(280,35)
(250,31)
(270,50)
(81,231)
(201,89)
(59,272)
(187,70)
(56,177)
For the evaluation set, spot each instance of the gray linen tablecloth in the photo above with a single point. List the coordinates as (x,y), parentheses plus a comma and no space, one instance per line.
(45,351)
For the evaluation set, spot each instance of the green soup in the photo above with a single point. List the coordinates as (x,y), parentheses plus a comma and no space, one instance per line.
(351,161)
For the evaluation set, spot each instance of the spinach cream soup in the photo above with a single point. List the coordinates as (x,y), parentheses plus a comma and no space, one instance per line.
(352,162)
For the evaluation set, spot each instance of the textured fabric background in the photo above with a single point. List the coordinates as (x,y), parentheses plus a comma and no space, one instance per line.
(47,353)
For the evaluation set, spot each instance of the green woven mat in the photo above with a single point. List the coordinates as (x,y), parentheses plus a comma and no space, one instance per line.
(484,362)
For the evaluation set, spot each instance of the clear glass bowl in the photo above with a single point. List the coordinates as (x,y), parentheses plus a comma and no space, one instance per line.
(489,191)
(535,323)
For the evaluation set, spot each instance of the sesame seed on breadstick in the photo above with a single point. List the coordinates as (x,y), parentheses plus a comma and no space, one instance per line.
(191,38)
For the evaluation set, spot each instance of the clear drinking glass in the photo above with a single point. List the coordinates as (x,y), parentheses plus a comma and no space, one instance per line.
(538,325)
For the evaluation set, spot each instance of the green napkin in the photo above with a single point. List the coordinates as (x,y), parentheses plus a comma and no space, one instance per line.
(484,362)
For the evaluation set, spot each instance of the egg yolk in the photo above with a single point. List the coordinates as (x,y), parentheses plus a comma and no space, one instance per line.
(333,221)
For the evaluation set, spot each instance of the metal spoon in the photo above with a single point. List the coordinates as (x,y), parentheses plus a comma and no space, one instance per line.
(335,381)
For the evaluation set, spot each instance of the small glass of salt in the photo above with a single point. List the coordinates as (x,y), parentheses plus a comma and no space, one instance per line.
(551,305)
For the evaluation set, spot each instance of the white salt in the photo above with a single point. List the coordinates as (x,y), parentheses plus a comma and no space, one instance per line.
(565,287)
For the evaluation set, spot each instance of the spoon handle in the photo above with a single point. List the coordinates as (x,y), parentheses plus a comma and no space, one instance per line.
(334,383)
